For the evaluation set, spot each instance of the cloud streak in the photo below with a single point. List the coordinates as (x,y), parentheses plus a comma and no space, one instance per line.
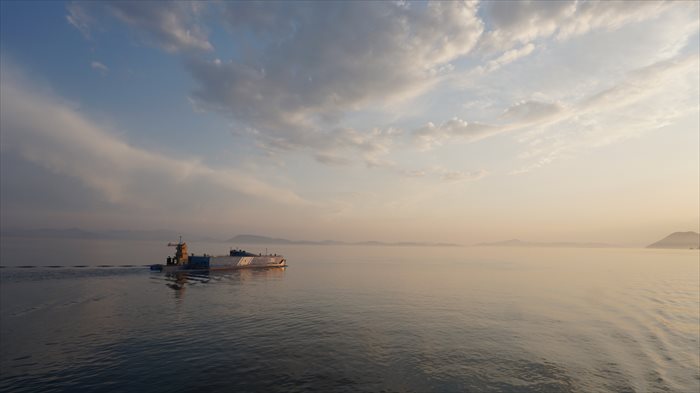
(46,131)
(101,68)
(172,26)
(80,19)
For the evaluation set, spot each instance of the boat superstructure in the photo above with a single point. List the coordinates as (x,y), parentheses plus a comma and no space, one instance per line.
(237,259)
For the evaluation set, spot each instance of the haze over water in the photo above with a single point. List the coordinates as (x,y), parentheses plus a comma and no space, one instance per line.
(416,319)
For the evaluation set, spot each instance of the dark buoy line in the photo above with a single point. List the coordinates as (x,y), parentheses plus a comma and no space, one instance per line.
(66,266)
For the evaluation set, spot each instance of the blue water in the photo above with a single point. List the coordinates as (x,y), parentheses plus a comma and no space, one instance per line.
(351,319)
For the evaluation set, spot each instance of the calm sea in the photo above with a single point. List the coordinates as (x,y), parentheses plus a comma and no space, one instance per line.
(350,319)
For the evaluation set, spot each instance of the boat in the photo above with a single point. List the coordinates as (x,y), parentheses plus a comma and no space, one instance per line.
(237,259)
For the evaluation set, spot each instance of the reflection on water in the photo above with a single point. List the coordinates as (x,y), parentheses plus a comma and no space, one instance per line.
(178,281)
(359,319)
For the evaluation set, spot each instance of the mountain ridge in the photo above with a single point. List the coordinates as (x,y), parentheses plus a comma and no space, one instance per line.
(678,240)
(258,239)
(520,243)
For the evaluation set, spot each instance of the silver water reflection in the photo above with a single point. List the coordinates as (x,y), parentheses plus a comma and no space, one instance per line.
(179,281)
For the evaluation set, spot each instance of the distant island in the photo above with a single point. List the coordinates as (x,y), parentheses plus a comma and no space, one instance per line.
(684,240)
(520,243)
(256,239)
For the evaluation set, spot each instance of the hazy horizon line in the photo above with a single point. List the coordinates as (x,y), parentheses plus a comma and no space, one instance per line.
(168,234)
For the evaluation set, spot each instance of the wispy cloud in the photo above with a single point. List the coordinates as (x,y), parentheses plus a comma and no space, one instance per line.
(553,130)
(80,19)
(517,116)
(520,23)
(455,176)
(508,57)
(172,26)
(432,135)
(648,98)
(50,133)
(98,66)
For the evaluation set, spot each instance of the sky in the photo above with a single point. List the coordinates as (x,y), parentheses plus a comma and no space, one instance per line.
(392,121)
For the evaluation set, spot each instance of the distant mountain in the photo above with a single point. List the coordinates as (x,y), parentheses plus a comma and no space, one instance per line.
(678,240)
(520,243)
(115,234)
(257,239)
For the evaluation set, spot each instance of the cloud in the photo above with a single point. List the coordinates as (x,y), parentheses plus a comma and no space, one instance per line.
(519,115)
(607,15)
(305,66)
(46,131)
(513,23)
(441,173)
(101,68)
(509,57)
(553,130)
(171,25)
(457,176)
(526,112)
(80,19)
(648,98)
(640,83)
(295,76)
(431,135)
(330,159)
(519,23)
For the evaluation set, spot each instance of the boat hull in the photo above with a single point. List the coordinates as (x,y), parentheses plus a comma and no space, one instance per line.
(224,263)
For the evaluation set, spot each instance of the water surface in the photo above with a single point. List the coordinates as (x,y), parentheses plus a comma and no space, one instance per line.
(352,319)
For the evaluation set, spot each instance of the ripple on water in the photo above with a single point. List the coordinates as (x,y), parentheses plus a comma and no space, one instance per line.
(321,328)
